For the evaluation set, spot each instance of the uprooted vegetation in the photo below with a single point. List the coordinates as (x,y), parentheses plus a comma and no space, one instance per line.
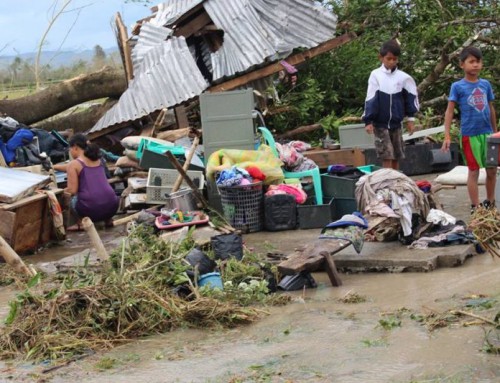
(145,289)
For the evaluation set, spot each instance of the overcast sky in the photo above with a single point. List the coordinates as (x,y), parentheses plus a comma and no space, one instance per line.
(88,22)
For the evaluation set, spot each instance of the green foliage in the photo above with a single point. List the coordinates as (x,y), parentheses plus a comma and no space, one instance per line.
(426,30)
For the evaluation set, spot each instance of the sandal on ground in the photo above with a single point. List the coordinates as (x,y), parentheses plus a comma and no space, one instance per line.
(109,223)
(75,227)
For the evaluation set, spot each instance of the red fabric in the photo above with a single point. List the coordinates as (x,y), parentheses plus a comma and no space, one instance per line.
(256,173)
(468,154)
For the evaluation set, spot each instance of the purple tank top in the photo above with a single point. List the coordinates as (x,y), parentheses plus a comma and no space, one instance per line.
(96,198)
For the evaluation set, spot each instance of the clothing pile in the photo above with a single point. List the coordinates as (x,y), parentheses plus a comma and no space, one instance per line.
(236,176)
(292,157)
(19,147)
(389,193)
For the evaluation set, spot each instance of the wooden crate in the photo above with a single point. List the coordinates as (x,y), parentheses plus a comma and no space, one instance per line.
(325,157)
(27,224)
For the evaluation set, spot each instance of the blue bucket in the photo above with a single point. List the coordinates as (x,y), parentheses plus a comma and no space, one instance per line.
(213,280)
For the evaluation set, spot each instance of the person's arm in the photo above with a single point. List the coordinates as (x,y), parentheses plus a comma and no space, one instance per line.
(371,103)
(62,166)
(412,105)
(493,117)
(448,118)
(73,171)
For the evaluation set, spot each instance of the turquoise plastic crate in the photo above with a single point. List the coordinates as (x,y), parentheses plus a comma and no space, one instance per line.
(157,148)
(369,168)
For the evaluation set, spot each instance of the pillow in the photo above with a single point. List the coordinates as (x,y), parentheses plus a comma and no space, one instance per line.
(125,162)
(132,142)
(458,176)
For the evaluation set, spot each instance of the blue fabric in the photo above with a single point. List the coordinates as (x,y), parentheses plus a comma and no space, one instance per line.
(20,138)
(354,219)
(232,177)
(228,178)
(473,100)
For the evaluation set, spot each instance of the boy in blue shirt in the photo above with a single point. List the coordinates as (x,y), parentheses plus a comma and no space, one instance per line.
(391,96)
(474,97)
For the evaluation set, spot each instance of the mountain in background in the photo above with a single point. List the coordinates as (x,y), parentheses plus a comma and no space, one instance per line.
(55,58)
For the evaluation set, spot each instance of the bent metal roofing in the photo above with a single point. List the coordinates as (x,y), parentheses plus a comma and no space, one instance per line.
(254,32)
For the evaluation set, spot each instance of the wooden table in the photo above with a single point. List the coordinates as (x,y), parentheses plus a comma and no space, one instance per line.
(325,157)
(27,224)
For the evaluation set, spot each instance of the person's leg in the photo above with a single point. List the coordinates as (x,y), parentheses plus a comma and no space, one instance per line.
(78,225)
(383,147)
(491,180)
(472,188)
(470,150)
(396,136)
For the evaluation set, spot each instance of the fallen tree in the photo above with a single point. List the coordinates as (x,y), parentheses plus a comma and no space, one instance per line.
(57,98)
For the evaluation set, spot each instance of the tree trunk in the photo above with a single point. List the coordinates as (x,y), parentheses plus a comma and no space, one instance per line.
(80,122)
(57,98)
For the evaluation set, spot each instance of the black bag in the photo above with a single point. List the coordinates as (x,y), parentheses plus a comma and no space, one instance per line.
(227,245)
(199,259)
(297,281)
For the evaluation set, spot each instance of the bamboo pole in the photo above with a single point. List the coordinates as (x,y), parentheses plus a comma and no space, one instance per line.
(124,220)
(13,259)
(89,227)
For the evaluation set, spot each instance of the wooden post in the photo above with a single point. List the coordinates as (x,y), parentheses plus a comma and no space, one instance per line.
(89,227)
(2,161)
(13,259)
(331,269)
(191,184)
(189,157)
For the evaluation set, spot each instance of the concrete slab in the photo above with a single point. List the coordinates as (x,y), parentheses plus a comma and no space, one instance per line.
(394,257)
(382,256)
(375,256)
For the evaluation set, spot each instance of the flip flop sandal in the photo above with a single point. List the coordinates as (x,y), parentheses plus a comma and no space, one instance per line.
(75,227)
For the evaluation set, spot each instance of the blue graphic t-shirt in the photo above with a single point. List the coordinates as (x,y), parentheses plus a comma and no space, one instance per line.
(473,99)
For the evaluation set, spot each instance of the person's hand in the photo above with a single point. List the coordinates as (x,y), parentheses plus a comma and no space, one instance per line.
(410,127)
(446,144)
(369,128)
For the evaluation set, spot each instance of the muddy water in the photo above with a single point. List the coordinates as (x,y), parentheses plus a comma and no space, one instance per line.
(314,339)
(319,339)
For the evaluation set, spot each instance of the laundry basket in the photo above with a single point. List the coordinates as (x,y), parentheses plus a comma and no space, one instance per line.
(243,206)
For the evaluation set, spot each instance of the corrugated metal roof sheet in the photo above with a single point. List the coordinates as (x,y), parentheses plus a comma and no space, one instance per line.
(169,11)
(160,84)
(255,31)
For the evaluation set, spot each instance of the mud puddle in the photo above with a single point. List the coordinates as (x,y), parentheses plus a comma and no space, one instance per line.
(317,338)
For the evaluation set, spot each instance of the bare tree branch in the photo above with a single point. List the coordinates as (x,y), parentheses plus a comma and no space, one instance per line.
(494,20)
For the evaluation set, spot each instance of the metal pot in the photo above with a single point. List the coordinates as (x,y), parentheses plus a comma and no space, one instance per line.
(182,200)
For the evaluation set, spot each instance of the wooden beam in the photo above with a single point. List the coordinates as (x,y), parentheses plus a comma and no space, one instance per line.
(276,67)
(123,43)
(181,117)
(193,26)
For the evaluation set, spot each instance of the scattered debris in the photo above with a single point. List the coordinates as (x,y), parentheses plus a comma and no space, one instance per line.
(145,289)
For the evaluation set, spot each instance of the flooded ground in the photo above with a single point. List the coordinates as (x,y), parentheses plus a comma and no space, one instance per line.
(316,338)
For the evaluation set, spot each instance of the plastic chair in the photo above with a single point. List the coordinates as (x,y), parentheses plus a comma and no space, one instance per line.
(314,173)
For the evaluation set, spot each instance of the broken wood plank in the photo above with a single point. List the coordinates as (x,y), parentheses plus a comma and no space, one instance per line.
(125,51)
(310,257)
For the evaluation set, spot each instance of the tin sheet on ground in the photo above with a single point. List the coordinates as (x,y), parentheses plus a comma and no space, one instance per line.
(17,184)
